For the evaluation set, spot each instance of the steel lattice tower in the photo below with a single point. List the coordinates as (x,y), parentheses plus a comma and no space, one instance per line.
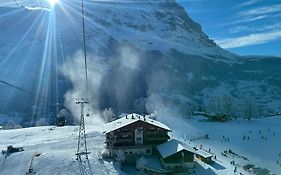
(82,149)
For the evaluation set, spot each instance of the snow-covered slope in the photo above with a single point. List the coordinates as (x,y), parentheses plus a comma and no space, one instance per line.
(260,147)
(141,56)
(57,147)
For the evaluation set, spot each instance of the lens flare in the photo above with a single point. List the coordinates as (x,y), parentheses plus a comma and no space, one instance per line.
(53,2)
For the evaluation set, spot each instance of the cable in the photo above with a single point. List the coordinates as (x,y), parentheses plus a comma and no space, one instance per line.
(84,47)
(25,91)
(16,87)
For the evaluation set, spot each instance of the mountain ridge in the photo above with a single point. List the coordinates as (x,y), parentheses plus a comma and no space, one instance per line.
(141,57)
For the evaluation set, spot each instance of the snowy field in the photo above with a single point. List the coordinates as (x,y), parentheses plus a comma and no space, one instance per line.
(255,142)
(56,147)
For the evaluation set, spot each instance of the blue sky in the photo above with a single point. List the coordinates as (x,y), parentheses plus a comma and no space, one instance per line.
(245,27)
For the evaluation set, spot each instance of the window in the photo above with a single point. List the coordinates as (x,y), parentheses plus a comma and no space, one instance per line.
(124,130)
(152,128)
(139,129)
(125,135)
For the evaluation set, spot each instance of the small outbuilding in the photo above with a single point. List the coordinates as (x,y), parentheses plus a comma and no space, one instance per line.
(204,156)
(176,156)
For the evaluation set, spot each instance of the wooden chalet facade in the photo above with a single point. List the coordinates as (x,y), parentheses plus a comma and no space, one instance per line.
(135,135)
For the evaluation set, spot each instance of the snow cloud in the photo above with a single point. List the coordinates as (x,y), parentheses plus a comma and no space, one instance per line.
(74,71)
(110,82)
(127,81)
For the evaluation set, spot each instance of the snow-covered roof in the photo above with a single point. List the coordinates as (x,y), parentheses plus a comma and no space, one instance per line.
(203,153)
(173,146)
(132,118)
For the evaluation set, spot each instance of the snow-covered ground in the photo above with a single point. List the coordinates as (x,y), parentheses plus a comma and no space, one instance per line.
(57,147)
(262,148)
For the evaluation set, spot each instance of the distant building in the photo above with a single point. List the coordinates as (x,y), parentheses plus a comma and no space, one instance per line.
(175,156)
(204,156)
(61,117)
(10,125)
(134,135)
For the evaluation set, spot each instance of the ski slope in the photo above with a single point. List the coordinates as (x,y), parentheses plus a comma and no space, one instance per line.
(262,148)
(57,147)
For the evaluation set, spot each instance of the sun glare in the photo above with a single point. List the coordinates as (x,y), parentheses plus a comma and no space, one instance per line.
(53,2)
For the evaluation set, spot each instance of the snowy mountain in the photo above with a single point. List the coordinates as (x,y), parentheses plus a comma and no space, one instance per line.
(142,56)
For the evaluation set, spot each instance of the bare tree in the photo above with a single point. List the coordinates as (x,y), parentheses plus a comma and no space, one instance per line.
(260,110)
(215,106)
(228,106)
(108,115)
(249,107)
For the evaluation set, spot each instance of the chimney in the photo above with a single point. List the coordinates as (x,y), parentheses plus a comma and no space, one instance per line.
(126,117)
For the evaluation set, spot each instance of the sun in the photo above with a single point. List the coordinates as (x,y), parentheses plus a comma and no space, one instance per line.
(53,2)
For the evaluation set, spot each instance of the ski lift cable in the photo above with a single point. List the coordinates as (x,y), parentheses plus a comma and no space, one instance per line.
(13,86)
(24,90)
(84,48)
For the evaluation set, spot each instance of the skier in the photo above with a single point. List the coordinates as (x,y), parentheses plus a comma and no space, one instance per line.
(235,170)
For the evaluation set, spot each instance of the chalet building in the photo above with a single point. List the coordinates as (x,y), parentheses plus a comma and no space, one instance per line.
(135,135)
(175,156)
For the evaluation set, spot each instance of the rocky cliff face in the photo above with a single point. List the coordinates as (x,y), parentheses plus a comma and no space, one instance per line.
(143,56)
